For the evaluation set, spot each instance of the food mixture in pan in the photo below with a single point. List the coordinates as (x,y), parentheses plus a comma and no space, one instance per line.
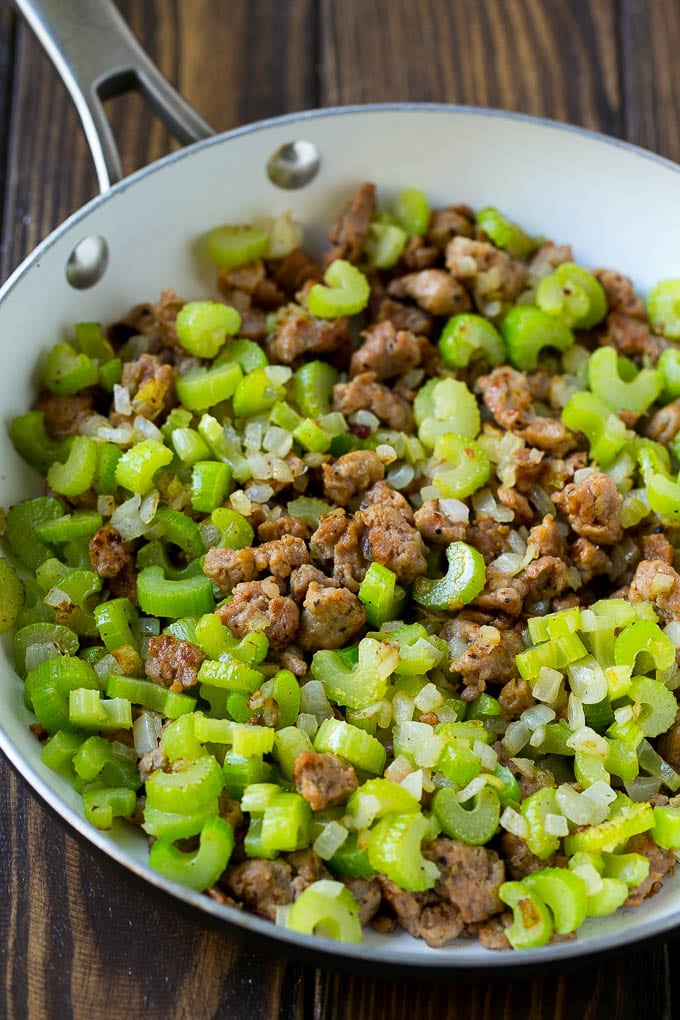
(355,588)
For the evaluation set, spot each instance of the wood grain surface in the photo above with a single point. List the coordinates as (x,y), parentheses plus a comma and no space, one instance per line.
(79,937)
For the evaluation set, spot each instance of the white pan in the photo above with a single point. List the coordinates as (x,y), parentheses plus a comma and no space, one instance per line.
(618,205)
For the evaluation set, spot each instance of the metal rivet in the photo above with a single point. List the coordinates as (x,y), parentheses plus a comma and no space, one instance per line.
(87,262)
(293,165)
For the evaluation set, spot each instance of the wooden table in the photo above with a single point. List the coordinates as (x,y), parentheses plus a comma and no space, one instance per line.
(78,936)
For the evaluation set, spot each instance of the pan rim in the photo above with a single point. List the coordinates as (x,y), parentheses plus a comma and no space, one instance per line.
(321,949)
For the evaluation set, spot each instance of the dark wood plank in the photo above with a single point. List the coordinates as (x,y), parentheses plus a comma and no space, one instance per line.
(555,58)
(79,937)
(551,58)
(235,65)
(71,946)
(650,33)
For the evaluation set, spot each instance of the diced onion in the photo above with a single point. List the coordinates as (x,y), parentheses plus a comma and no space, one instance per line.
(591,876)
(512,821)
(386,453)
(57,599)
(107,665)
(456,511)
(588,683)
(240,503)
(397,771)
(145,429)
(517,736)
(330,839)
(252,435)
(401,476)
(105,505)
(472,789)
(121,399)
(278,375)
(127,520)
(486,754)
(277,441)
(365,418)
(556,825)
(39,653)
(672,631)
(428,698)
(537,715)
(548,686)
(643,787)
(313,701)
(308,724)
(576,717)
(578,809)
(413,782)
(149,506)
(589,742)
(146,731)
(402,707)
(259,493)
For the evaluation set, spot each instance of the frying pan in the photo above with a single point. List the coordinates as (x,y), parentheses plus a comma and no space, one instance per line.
(618,205)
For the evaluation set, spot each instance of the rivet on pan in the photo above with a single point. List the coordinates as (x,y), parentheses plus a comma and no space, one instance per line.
(293,165)
(87,262)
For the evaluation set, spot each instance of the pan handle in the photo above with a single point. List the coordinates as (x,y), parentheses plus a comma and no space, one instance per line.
(98,57)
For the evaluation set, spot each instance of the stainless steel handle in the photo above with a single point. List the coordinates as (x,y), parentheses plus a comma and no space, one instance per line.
(98,57)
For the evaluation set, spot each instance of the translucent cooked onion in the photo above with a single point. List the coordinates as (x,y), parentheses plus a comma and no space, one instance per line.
(40,652)
(537,715)
(329,840)
(313,701)
(366,419)
(672,631)
(401,476)
(589,742)
(516,737)
(428,698)
(58,599)
(576,717)
(643,787)
(149,506)
(105,505)
(253,435)
(260,465)
(386,453)
(397,771)
(556,825)
(127,520)
(455,510)
(308,724)
(548,686)
(108,665)
(486,754)
(507,564)
(146,731)
(259,493)
(512,821)
(145,429)
(241,503)
(485,505)
(588,682)
(413,782)
(277,441)
(541,500)
(578,809)
(121,400)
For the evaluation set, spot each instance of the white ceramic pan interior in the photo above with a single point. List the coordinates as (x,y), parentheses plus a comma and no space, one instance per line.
(619,206)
